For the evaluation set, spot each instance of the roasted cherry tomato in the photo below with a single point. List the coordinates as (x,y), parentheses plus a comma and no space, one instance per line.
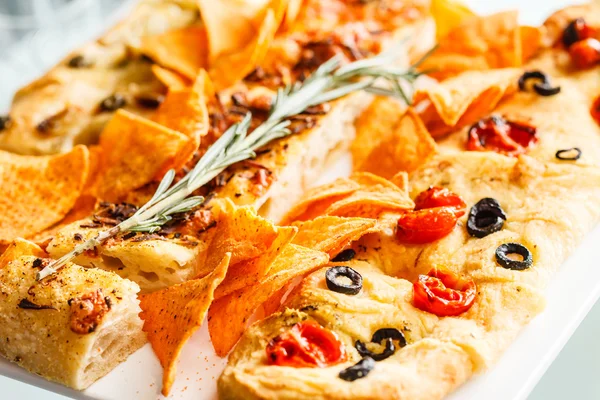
(595,110)
(440,197)
(443,293)
(306,344)
(585,53)
(505,137)
(577,30)
(425,226)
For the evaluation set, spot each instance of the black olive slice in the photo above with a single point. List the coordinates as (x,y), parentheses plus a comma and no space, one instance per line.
(485,218)
(388,351)
(345,255)
(385,334)
(332,275)
(389,333)
(571,32)
(358,370)
(112,103)
(504,250)
(150,101)
(572,154)
(4,122)
(79,61)
(543,88)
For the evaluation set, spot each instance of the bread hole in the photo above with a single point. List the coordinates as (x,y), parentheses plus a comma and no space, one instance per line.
(112,263)
(170,270)
(149,276)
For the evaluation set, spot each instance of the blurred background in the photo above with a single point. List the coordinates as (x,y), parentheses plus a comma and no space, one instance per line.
(35,34)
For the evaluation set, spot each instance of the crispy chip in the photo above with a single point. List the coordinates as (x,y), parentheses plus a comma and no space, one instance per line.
(37,192)
(361,195)
(331,234)
(291,13)
(84,207)
(228,316)
(404,147)
(373,125)
(21,247)
(136,151)
(172,315)
(448,14)
(465,98)
(182,50)
(230,68)
(171,79)
(531,41)
(316,201)
(401,180)
(374,197)
(487,42)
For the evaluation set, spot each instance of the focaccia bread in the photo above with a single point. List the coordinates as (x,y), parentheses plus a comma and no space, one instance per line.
(439,355)
(73,328)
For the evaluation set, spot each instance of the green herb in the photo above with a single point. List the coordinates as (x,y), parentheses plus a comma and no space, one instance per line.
(329,82)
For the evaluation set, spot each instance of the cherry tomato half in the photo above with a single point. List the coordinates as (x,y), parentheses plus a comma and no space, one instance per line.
(585,53)
(440,197)
(306,344)
(426,225)
(505,137)
(595,110)
(443,293)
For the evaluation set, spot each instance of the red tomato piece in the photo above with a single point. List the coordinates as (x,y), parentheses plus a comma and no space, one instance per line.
(502,136)
(443,293)
(426,225)
(595,110)
(577,30)
(585,53)
(440,197)
(306,344)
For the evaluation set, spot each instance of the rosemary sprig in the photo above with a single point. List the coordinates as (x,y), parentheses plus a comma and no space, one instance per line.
(329,82)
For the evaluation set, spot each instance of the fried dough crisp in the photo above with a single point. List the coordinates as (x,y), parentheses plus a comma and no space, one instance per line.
(331,234)
(230,68)
(361,195)
(465,98)
(229,315)
(448,14)
(171,79)
(183,50)
(172,315)
(37,192)
(135,152)
(479,43)
(405,146)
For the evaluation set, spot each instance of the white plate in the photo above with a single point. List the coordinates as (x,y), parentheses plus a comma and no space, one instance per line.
(570,296)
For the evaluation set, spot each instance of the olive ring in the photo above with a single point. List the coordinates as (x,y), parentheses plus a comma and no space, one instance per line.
(564,154)
(358,370)
(385,334)
(344,256)
(485,218)
(514,248)
(351,289)
(543,88)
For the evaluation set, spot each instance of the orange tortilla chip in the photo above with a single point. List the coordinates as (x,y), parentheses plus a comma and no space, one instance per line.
(172,315)
(531,41)
(375,196)
(171,79)
(137,151)
(182,50)
(230,68)
(487,42)
(316,201)
(250,272)
(373,125)
(448,14)
(404,147)
(368,196)
(331,234)
(21,247)
(229,316)
(37,192)
(401,180)
(464,99)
